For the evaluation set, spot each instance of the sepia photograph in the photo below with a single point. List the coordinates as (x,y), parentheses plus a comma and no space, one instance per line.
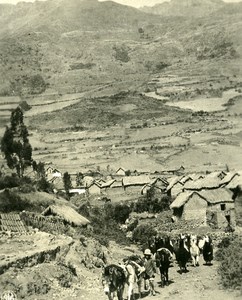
(120,149)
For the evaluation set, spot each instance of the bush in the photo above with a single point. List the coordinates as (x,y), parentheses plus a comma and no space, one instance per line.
(105,222)
(9,182)
(11,202)
(13,181)
(27,188)
(230,257)
(142,234)
(121,54)
(44,186)
(81,66)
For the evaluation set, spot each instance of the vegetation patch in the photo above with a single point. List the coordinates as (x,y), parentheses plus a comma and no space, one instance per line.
(230,257)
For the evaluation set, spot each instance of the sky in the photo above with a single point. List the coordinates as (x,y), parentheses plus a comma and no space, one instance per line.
(135,3)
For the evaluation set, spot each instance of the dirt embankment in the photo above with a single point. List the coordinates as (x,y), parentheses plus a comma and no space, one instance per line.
(43,266)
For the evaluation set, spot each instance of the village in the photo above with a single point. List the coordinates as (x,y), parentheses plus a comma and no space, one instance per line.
(207,199)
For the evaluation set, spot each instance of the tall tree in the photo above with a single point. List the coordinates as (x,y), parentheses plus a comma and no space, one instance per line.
(15,143)
(67,183)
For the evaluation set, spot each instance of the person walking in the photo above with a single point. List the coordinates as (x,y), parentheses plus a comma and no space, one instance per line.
(150,270)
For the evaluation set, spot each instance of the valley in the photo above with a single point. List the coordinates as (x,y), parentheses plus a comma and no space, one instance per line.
(113,93)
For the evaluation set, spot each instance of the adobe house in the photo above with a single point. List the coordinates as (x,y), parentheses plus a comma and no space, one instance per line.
(94,188)
(208,207)
(121,172)
(175,187)
(115,188)
(159,184)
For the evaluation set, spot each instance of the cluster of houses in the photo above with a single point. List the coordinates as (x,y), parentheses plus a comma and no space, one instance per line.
(208,199)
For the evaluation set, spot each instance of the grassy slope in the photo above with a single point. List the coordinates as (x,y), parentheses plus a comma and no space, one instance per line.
(79,34)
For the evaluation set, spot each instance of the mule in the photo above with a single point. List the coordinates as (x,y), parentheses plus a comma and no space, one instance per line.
(114,281)
(194,250)
(163,258)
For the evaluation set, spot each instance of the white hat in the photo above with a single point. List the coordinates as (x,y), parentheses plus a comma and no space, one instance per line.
(147,252)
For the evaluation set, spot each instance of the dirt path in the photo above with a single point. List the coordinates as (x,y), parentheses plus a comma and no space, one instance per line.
(199,283)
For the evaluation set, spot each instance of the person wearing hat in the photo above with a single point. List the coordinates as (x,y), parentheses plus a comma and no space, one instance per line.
(150,270)
(131,276)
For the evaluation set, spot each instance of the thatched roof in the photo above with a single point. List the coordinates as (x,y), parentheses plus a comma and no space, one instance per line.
(181,199)
(120,169)
(208,182)
(67,213)
(211,196)
(157,180)
(174,181)
(217,195)
(136,180)
(235,182)
(116,184)
(229,176)
(108,183)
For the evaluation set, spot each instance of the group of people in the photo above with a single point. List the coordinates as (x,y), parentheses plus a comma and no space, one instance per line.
(156,260)
(141,270)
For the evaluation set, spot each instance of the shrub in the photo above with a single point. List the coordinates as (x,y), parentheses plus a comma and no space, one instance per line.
(121,54)
(9,182)
(44,186)
(27,188)
(11,202)
(105,222)
(230,257)
(142,233)
(81,66)
(36,84)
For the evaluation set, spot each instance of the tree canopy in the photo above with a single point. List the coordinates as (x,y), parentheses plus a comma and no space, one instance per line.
(15,143)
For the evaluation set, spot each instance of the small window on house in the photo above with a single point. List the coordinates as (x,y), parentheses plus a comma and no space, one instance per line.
(223,206)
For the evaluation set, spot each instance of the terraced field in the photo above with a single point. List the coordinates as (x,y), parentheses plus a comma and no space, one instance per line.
(77,132)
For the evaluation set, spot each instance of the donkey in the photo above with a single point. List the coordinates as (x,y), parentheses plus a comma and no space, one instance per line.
(114,281)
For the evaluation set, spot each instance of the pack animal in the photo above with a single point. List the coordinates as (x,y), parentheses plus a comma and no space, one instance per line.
(182,253)
(194,250)
(163,258)
(114,281)
(137,264)
(208,250)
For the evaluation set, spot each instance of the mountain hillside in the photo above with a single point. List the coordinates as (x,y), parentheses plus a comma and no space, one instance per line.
(190,8)
(60,16)
(77,45)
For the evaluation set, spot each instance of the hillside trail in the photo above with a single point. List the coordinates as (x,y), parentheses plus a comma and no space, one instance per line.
(199,283)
